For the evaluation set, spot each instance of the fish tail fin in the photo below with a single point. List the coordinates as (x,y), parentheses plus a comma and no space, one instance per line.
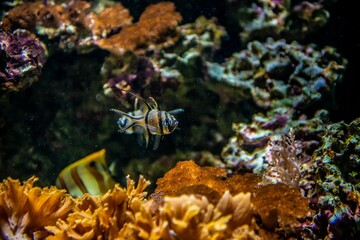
(125,121)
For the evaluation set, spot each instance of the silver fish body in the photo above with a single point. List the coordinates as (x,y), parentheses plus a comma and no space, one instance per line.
(147,121)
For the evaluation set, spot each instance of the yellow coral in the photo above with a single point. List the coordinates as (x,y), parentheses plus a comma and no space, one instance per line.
(25,209)
(122,213)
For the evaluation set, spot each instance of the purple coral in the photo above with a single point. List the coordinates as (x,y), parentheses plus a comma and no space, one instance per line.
(141,73)
(22,59)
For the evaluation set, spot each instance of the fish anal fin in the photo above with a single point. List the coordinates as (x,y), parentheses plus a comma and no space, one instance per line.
(157,141)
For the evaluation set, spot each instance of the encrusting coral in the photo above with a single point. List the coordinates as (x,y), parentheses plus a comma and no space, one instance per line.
(188,178)
(22,59)
(80,25)
(156,26)
(290,19)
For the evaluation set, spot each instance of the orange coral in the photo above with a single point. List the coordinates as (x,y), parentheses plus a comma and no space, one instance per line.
(189,217)
(119,214)
(111,29)
(24,16)
(280,206)
(30,15)
(188,178)
(156,26)
(25,209)
(110,20)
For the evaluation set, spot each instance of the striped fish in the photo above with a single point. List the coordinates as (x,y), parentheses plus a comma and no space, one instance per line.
(87,175)
(147,121)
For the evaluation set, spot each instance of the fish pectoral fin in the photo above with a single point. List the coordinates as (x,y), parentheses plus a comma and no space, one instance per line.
(140,135)
(146,137)
(157,141)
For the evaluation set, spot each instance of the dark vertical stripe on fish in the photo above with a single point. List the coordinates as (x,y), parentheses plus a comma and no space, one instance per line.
(160,120)
(61,181)
(98,176)
(79,183)
(147,122)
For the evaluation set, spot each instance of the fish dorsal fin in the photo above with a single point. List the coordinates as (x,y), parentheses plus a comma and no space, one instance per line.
(155,105)
(139,97)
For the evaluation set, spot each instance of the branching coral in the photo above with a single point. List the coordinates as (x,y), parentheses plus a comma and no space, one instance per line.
(188,216)
(31,212)
(25,210)
(284,160)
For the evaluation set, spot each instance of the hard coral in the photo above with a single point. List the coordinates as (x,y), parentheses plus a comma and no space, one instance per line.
(280,206)
(109,21)
(56,22)
(156,26)
(25,210)
(119,214)
(246,150)
(104,216)
(290,19)
(22,59)
(277,74)
(188,178)
(333,182)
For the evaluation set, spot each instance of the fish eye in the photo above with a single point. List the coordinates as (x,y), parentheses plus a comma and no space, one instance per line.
(167,122)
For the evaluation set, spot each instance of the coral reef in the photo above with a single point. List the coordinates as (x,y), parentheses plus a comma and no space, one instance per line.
(156,27)
(75,25)
(109,21)
(25,209)
(332,180)
(287,172)
(279,19)
(120,213)
(22,59)
(284,161)
(280,206)
(188,178)
(277,74)
(247,149)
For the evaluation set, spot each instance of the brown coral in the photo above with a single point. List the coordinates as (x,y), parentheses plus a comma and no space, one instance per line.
(24,16)
(156,26)
(110,20)
(278,205)
(188,178)
(25,209)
